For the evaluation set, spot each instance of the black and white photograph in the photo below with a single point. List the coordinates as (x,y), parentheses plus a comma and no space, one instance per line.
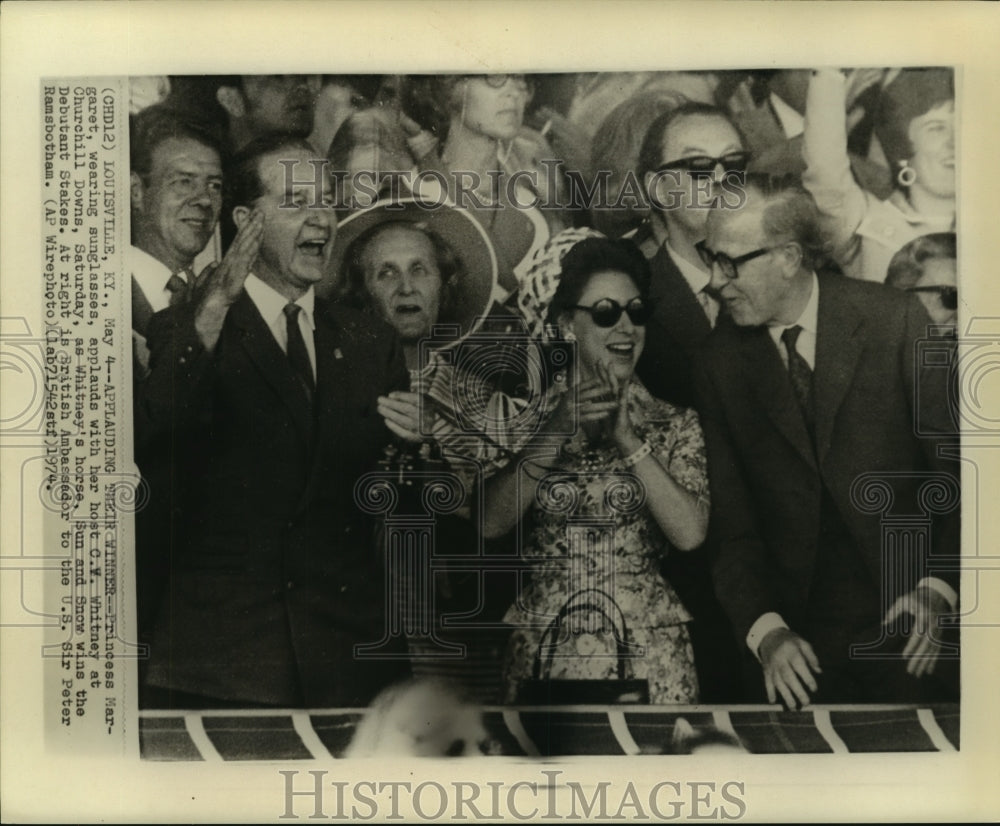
(596,425)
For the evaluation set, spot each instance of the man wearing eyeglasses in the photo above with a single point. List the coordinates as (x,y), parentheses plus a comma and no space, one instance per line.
(809,403)
(686,156)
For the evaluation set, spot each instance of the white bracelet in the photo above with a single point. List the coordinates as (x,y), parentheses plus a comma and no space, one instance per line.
(638,454)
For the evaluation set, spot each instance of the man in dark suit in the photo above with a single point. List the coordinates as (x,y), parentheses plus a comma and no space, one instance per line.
(269,398)
(176,197)
(681,182)
(810,401)
(684,311)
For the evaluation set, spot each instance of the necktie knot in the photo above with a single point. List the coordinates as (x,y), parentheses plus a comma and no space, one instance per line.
(291,311)
(790,336)
(177,287)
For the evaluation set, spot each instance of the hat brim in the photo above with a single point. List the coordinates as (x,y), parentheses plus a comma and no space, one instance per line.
(473,291)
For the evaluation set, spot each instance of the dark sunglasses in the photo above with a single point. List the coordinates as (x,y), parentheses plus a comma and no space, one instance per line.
(948,295)
(704,165)
(728,266)
(607,311)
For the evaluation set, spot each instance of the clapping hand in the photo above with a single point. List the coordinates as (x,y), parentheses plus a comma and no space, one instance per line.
(619,420)
(219,285)
(404,417)
(223,282)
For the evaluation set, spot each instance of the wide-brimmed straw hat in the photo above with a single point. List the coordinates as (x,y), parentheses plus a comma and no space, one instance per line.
(472,291)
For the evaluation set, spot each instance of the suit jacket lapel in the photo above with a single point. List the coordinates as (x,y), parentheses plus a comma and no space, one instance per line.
(259,343)
(839,343)
(142,311)
(674,304)
(769,379)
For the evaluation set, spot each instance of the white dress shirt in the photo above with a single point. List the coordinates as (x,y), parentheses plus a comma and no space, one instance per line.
(271,305)
(152,276)
(806,347)
(809,322)
(697,279)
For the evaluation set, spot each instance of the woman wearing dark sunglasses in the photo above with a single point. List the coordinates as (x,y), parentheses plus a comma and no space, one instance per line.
(624,458)
(926,266)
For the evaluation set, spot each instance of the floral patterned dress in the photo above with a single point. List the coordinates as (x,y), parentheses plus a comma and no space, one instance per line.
(590,529)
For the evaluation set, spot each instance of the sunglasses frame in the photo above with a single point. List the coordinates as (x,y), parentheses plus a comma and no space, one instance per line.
(685,163)
(710,258)
(644,311)
(947,294)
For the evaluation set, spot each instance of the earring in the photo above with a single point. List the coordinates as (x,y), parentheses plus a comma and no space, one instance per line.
(907,175)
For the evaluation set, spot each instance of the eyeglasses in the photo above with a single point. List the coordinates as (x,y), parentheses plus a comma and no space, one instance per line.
(726,264)
(704,165)
(948,295)
(499,81)
(607,311)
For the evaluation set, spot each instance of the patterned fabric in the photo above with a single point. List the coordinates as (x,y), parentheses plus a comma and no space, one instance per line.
(542,277)
(624,560)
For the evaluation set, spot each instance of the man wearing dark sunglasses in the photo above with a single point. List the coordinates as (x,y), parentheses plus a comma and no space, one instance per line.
(688,156)
(808,403)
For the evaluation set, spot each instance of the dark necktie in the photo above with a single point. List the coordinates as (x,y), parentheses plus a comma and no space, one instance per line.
(178,289)
(297,353)
(800,373)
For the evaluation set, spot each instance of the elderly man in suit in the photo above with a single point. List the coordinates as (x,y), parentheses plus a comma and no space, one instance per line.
(811,391)
(269,397)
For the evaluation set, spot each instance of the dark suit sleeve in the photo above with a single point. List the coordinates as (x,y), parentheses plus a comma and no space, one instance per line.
(741,571)
(397,376)
(176,392)
(930,387)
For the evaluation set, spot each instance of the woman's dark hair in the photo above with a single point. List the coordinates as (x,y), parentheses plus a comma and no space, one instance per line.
(907,265)
(593,255)
(651,150)
(427,99)
(352,289)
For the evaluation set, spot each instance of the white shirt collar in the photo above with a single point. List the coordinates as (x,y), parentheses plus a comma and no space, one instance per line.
(696,277)
(271,304)
(792,123)
(808,320)
(151,275)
